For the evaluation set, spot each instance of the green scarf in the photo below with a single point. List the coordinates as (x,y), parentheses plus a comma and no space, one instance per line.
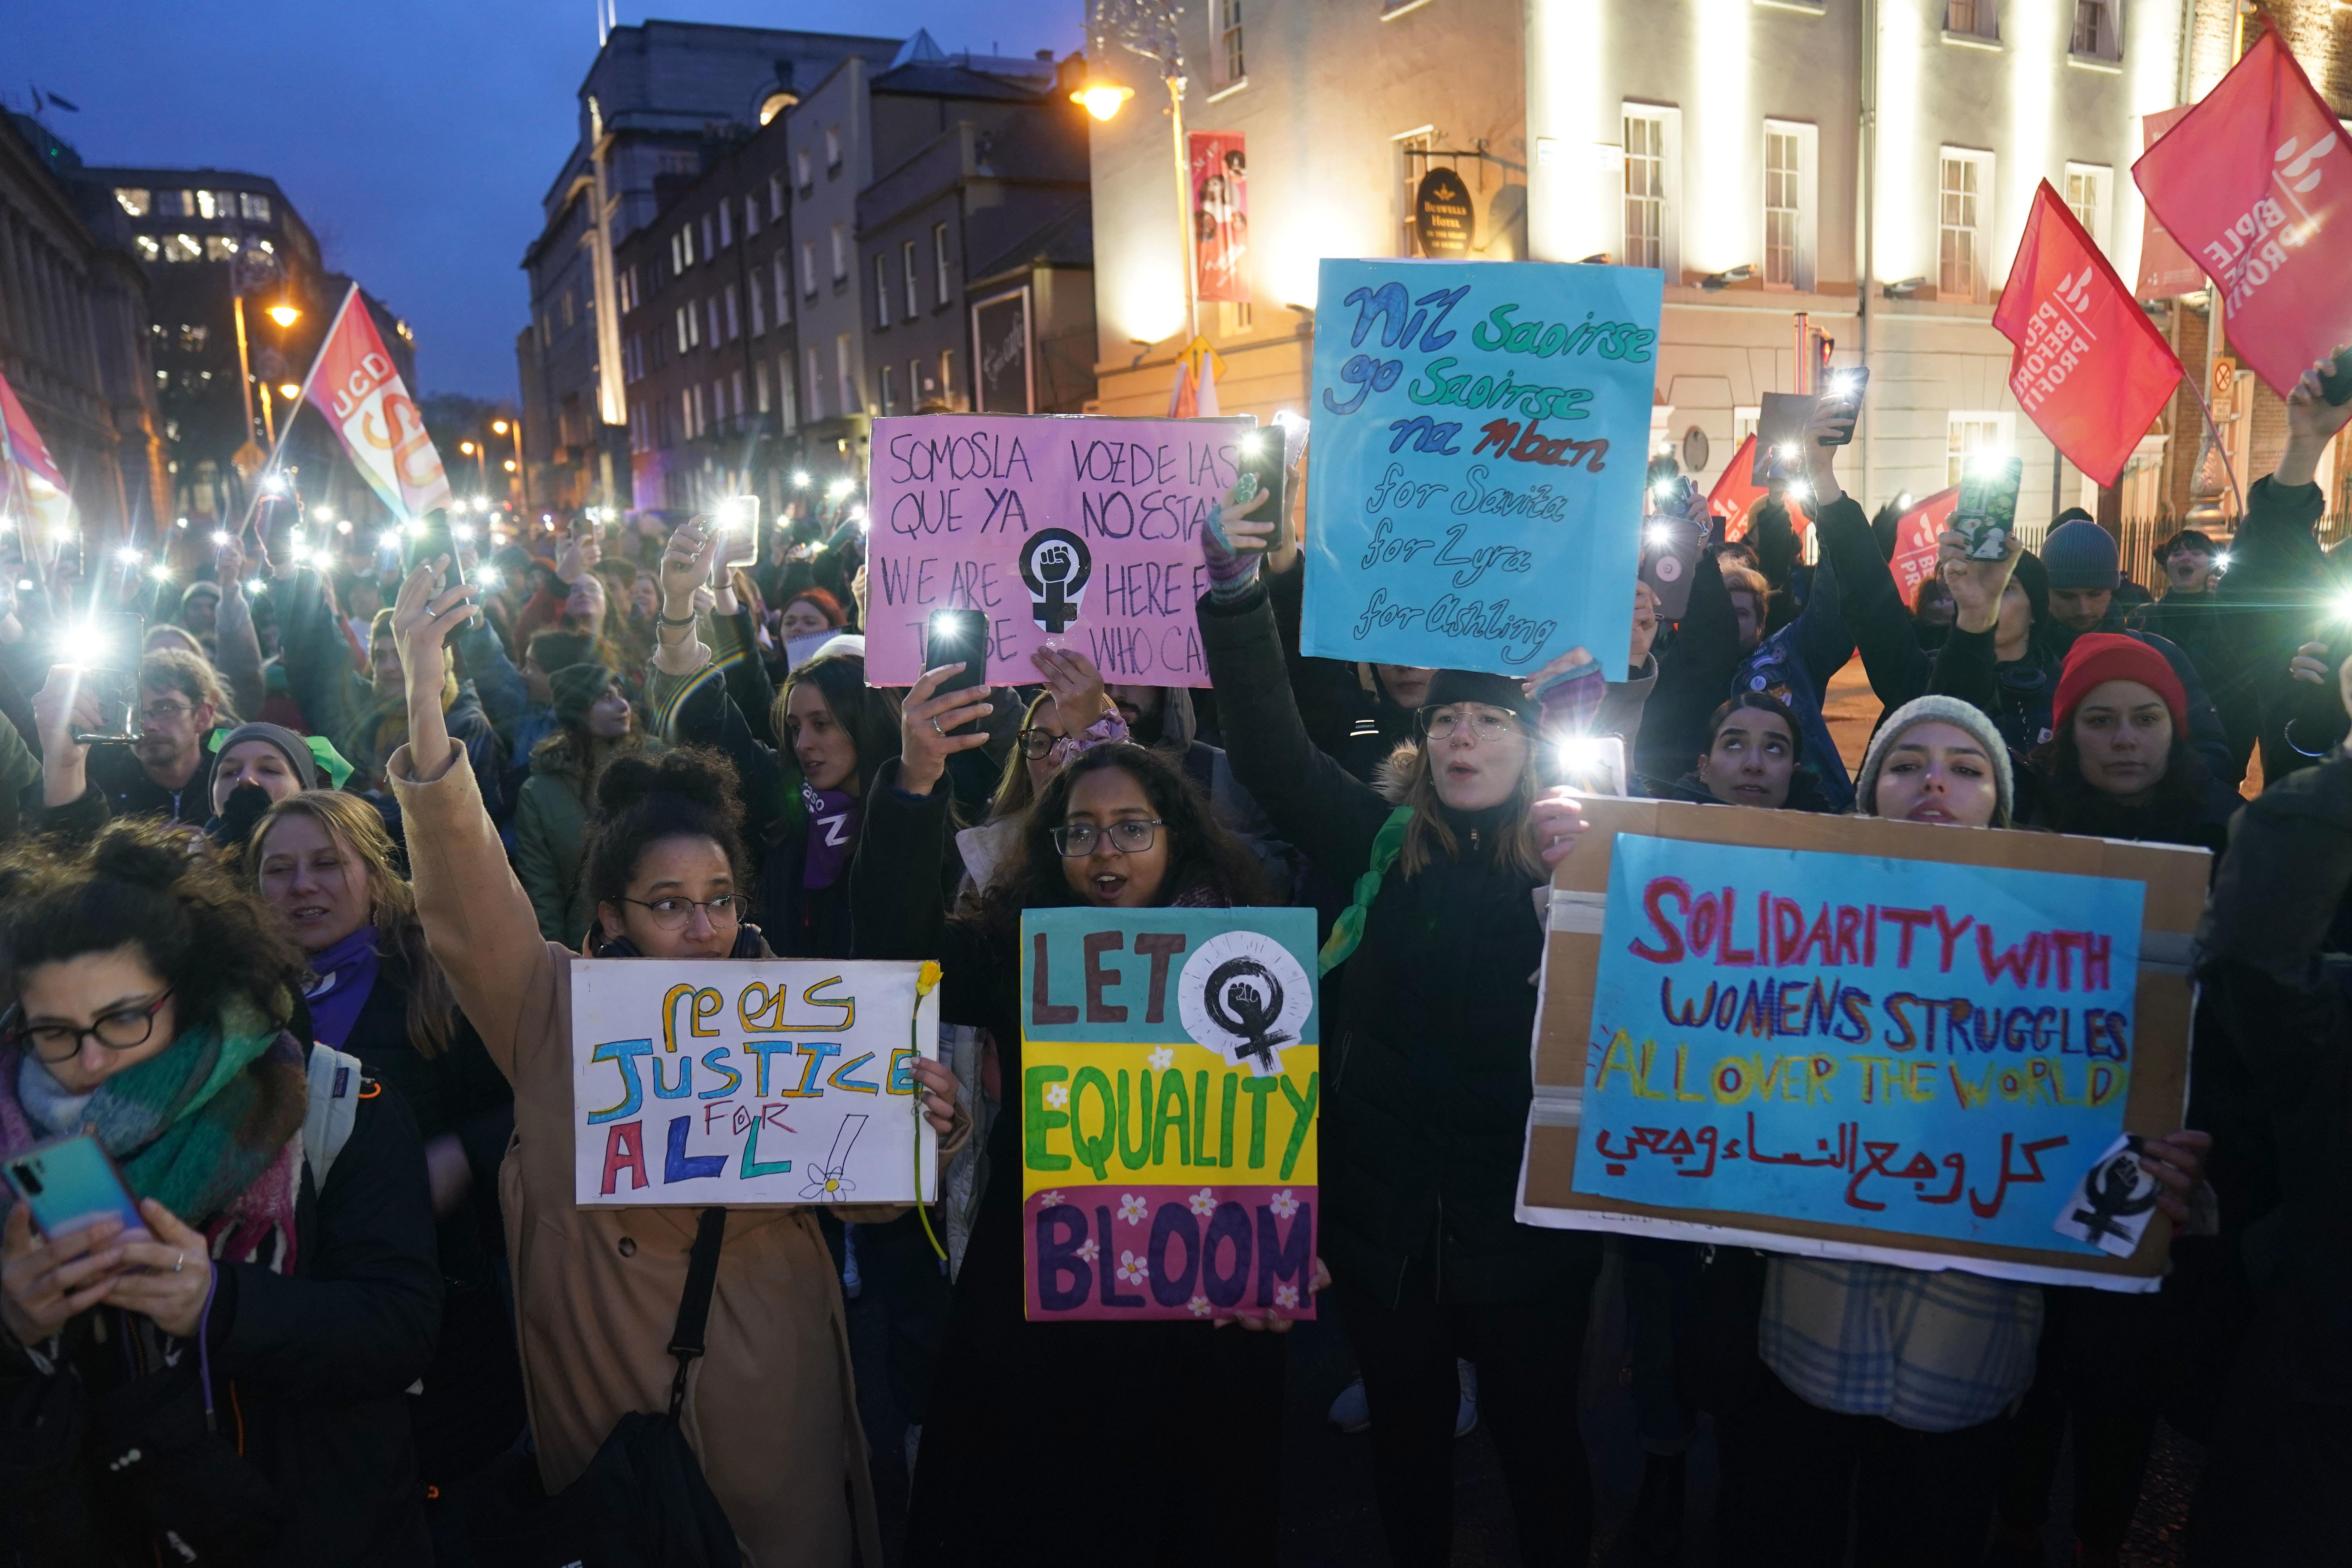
(1348,930)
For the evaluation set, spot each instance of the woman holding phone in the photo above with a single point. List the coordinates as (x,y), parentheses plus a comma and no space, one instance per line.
(770,1409)
(232,1371)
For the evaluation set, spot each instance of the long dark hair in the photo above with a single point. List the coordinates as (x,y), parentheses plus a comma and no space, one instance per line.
(2072,804)
(135,885)
(1762,702)
(688,793)
(1202,854)
(868,714)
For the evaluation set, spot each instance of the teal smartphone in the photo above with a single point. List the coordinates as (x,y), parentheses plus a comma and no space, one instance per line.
(1986,512)
(69,1183)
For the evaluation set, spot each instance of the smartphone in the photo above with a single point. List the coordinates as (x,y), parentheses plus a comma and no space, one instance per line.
(69,1183)
(1987,509)
(740,516)
(429,542)
(1593,764)
(1671,543)
(1780,424)
(956,636)
(1264,472)
(2335,385)
(109,659)
(1845,387)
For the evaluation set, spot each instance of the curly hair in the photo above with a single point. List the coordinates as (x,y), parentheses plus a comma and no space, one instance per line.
(357,830)
(689,792)
(136,885)
(1204,857)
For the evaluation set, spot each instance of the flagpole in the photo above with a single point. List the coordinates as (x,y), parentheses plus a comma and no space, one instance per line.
(301,401)
(2220,446)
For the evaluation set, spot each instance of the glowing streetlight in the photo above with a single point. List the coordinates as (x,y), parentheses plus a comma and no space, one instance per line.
(497,427)
(467,447)
(289,391)
(284,313)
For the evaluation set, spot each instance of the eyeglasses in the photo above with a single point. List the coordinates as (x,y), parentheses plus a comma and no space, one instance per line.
(1038,744)
(1129,835)
(118,1030)
(671,914)
(162,713)
(1487,723)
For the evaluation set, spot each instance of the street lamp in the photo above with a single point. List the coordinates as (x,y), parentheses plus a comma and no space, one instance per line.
(523,481)
(1148,28)
(284,313)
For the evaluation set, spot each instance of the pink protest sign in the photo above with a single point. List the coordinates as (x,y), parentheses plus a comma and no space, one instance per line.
(1067,532)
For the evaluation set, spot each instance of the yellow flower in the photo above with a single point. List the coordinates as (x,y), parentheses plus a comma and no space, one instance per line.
(927,979)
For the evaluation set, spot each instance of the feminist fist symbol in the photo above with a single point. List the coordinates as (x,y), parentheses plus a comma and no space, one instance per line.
(2109,1191)
(1244,998)
(1055,565)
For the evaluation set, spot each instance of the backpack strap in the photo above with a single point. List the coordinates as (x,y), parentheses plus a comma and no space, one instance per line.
(334,1106)
(694,1306)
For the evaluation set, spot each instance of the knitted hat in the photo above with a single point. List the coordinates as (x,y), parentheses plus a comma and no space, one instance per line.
(2080,554)
(1934,709)
(297,750)
(577,689)
(1450,686)
(2100,657)
(2031,576)
(202,586)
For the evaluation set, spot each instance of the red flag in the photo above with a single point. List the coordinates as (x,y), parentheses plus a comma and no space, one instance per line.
(2250,182)
(1915,531)
(2165,269)
(1735,494)
(1220,213)
(2088,366)
(355,385)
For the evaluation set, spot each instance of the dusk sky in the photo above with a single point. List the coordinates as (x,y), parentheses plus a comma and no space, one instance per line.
(415,136)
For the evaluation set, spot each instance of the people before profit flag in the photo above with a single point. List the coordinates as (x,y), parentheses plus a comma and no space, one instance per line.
(223,1375)
(597,1291)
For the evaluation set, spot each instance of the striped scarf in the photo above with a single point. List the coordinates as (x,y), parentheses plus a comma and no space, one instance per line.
(210,1128)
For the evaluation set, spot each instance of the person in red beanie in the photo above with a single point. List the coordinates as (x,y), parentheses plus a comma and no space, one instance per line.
(2118,764)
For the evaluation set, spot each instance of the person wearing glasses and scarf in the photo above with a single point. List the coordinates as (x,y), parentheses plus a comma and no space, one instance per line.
(1432,1021)
(770,1410)
(226,1381)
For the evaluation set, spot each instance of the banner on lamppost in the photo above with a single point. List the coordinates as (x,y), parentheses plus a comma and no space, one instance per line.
(1220,177)
(355,385)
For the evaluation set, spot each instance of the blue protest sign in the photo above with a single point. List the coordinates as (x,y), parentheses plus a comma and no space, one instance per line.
(1481,435)
(1921,1049)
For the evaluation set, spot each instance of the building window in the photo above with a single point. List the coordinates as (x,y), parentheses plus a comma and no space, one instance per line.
(760,383)
(915,379)
(736,380)
(2086,197)
(734,320)
(946,377)
(808,268)
(882,299)
(1229,41)
(850,399)
(832,151)
(563,307)
(1973,18)
(750,217)
(712,305)
(815,383)
(939,257)
(709,251)
(725,224)
(254,205)
(133,200)
(759,310)
(1966,432)
(800,164)
(840,254)
(2094,30)
(783,289)
(1234,318)
(889,390)
(686,412)
(1964,203)
(219,247)
(1645,190)
(684,341)
(787,418)
(1782,169)
(776,197)
(913,304)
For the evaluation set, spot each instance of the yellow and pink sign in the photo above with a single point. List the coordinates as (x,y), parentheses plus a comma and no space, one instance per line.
(1170,1077)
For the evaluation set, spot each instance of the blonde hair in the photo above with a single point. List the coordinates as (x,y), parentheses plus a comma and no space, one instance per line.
(1014,793)
(356,827)
(1739,579)
(1412,782)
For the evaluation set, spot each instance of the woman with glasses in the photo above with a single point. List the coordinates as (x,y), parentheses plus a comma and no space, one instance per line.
(323,861)
(1074,714)
(1101,1408)
(770,1410)
(1429,1027)
(225,1381)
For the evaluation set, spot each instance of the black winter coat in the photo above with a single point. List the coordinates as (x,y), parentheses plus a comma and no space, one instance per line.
(1428,1073)
(308,1376)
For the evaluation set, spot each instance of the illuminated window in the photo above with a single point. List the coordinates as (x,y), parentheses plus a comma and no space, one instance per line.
(182,247)
(2094,30)
(1645,190)
(1781,168)
(1964,200)
(253,204)
(1229,42)
(851,401)
(149,250)
(760,383)
(2086,197)
(136,202)
(889,389)
(1977,18)
(914,305)
(808,268)
(840,253)
(939,257)
(882,307)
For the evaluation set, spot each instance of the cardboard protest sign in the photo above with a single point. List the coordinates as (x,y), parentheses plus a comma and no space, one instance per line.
(1169,1076)
(1481,435)
(1917,533)
(1064,530)
(747,1084)
(1857,1038)
(2252,181)
(2088,366)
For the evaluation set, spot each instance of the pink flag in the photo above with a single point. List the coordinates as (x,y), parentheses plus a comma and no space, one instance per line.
(27,469)
(1915,531)
(2250,182)
(2088,366)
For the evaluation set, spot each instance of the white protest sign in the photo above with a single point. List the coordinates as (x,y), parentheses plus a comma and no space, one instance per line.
(750,1083)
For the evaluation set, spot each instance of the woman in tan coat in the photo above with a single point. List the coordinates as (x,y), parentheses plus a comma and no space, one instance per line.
(770,1408)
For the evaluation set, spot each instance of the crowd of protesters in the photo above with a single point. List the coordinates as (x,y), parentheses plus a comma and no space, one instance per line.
(290,892)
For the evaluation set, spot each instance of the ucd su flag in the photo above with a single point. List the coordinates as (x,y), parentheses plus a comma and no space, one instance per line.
(2088,366)
(353,383)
